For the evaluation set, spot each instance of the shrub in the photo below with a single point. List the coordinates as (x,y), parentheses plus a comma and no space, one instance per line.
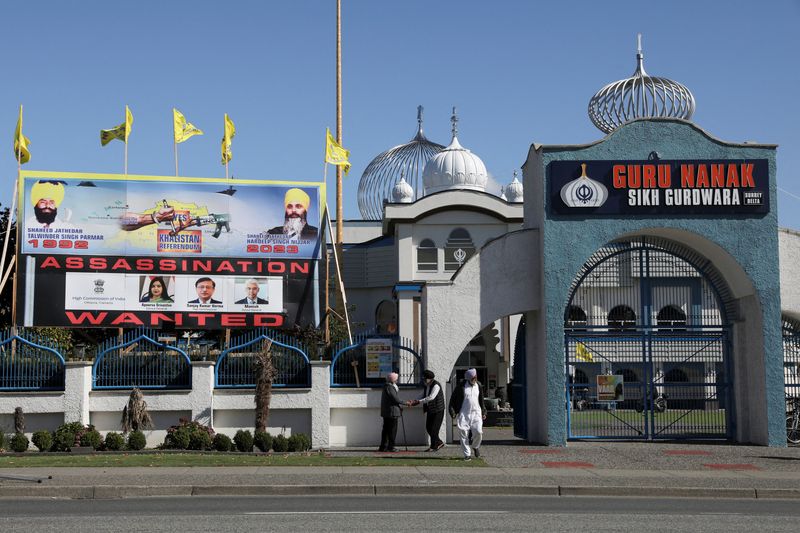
(244,441)
(114,441)
(19,442)
(136,440)
(199,440)
(188,435)
(222,443)
(69,435)
(263,441)
(299,442)
(92,438)
(43,440)
(280,444)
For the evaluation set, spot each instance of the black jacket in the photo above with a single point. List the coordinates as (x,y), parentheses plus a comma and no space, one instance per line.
(457,399)
(390,402)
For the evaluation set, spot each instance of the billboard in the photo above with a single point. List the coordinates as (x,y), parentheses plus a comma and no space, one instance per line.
(659,187)
(120,251)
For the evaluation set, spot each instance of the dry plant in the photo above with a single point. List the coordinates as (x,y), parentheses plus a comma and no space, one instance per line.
(265,374)
(19,420)
(135,416)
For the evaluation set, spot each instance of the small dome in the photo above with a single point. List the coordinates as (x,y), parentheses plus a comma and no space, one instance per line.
(640,96)
(503,194)
(380,177)
(455,167)
(513,190)
(402,192)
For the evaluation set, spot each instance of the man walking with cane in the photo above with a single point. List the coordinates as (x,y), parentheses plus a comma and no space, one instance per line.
(432,402)
(391,410)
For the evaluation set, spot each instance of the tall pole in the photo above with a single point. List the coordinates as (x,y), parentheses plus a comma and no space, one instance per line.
(174,142)
(339,209)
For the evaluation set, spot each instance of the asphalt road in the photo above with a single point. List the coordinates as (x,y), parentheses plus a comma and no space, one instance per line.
(407,513)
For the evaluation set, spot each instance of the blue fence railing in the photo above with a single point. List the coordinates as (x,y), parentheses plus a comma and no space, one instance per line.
(235,366)
(29,362)
(140,361)
(351,366)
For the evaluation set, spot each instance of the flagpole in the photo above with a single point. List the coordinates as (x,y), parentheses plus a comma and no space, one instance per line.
(126,156)
(175,143)
(327,264)
(339,279)
(11,213)
(339,208)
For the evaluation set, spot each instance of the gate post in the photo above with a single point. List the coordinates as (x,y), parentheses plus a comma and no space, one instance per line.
(320,404)
(77,386)
(201,399)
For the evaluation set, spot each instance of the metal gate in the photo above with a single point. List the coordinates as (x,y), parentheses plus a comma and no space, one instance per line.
(646,343)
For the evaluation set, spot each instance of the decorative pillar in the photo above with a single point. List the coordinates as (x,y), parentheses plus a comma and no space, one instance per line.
(320,404)
(201,399)
(77,386)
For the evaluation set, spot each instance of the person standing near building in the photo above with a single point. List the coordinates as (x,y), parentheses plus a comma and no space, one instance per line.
(466,404)
(432,402)
(391,410)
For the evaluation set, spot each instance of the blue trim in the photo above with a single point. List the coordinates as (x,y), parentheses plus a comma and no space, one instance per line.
(261,337)
(141,337)
(37,373)
(396,344)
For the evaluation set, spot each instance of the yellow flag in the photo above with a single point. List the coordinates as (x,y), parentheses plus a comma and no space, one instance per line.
(21,142)
(227,136)
(183,129)
(335,154)
(121,132)
(582,353)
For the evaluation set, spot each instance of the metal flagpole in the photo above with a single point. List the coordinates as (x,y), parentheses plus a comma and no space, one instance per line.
(176,155)
(126,154)
(11,213)
(327,262)
(339,279)
(339,207)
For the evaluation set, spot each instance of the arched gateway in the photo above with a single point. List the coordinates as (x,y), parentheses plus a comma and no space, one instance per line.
(647,271)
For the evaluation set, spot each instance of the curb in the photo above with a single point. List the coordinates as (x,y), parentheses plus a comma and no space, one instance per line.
(107,492)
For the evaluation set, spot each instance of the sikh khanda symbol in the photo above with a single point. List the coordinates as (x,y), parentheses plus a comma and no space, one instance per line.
(584,191)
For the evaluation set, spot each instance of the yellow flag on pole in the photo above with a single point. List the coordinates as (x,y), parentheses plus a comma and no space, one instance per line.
(183,129)
(21,143)
(582,353)
(335,154)
(121,132)
(227,137)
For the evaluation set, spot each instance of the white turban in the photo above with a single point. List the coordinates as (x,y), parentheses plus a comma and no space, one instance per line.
(471,373)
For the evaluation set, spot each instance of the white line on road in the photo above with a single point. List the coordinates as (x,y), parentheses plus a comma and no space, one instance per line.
(373,512)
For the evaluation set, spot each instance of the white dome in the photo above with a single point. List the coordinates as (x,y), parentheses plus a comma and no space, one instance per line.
(454,167)
(513,190)
(402,192)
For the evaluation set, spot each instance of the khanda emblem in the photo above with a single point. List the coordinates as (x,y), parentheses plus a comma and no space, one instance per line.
(584,191)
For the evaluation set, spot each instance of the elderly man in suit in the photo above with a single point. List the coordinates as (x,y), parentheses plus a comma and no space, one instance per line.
(391,410)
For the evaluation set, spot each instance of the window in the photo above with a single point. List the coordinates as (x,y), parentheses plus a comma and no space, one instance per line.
(576,318)
(458,249)
(427,256)
(671,315)
(621,318)
(386,317)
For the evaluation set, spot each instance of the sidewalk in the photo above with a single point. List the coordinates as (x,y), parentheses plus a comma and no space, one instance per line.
(513,467)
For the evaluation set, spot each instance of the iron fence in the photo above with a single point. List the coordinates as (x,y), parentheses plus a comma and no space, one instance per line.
(791,357)
(236,365)
(137,360)
(29,362)
(351,366)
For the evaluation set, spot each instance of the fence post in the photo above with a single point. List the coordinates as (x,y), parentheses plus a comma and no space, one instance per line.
(320,404)
(201,399)
(77,386)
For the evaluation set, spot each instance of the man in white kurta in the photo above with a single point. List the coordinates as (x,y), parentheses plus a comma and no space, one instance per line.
(471,413)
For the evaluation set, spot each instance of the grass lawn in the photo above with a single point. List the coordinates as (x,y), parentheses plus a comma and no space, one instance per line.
(34,459)
(628,421)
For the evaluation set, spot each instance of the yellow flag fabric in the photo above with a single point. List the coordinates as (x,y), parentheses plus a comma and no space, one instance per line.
(21,142)
(335,154)
(121,132)
(183,129)
(582,353)
(227,137)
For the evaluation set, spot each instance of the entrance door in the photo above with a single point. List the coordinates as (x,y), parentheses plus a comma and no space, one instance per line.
(646,347)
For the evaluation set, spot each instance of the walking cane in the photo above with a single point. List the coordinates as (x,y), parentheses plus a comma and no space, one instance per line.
(403,423)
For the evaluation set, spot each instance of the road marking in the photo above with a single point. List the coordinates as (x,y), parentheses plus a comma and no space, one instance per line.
(374,512)
(567,464)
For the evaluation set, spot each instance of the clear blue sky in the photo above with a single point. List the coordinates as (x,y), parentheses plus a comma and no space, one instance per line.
(519,72)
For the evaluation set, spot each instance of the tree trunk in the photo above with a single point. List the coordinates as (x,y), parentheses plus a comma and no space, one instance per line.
(265,373)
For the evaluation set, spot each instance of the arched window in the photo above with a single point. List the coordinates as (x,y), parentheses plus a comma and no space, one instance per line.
(386,317)
(581,377)
(576,318)
(621,318)
(671,315)
(458,249)
(628,375)
(676,375)
(427,256)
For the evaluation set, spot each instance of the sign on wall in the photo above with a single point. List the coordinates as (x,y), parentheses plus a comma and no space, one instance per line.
(610,388)
(678,187)
(122,251)
(379,357)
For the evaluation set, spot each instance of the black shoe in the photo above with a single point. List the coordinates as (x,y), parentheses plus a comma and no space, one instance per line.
(381,449)
(429,450)
(477,452)
(438,447)
(392,450)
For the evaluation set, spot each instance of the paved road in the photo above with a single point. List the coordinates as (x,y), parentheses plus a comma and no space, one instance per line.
(414,513)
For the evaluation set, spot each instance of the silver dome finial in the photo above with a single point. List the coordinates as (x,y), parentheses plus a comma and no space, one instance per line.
(640,96)
(454,121)
(420,135)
